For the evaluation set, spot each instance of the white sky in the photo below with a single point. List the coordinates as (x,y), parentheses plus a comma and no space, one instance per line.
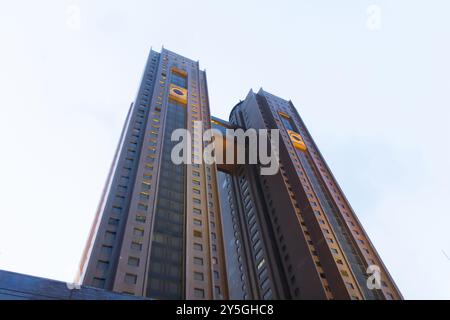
(376,101)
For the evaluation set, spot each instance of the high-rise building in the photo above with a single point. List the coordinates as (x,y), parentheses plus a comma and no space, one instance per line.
(157,232)
(293,235)
(223,231)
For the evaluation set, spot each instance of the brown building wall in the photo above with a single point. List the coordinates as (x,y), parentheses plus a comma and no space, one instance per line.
(317,229)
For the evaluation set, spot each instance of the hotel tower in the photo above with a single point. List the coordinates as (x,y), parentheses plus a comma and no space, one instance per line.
(223,231)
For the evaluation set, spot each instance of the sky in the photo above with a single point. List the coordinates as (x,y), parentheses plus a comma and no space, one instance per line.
(369,78)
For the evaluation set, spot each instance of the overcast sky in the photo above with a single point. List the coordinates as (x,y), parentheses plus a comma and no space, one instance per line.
(371,79)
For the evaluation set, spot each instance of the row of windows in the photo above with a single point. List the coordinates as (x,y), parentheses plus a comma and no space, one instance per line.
(341,235)
(143,205)
(255,238)
(339,201)
(348,218)
(315,204)
(119,203)
(303,225)
(311,196)
(144,195)
(237,261)
(322,170)
(198,246)
(166,265)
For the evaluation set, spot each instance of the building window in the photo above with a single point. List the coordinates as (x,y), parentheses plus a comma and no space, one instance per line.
(144,196)
(197,234)
(98,282)
(147,176)
(199,293)
(198,247)
(145,186)
(136,246)
(198,261)
(117,210)
(261,264)
(130,278)
(268,294)
(113,221)
(110,236)
(140,218)
(138,232)
(132,261)
(102,265)
(197,222)
(198,276)
(142,206)
(106,250)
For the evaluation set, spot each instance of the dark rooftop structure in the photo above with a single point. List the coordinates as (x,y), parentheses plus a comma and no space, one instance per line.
(16,286)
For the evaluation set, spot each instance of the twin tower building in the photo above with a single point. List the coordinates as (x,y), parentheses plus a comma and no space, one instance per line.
(223,231)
